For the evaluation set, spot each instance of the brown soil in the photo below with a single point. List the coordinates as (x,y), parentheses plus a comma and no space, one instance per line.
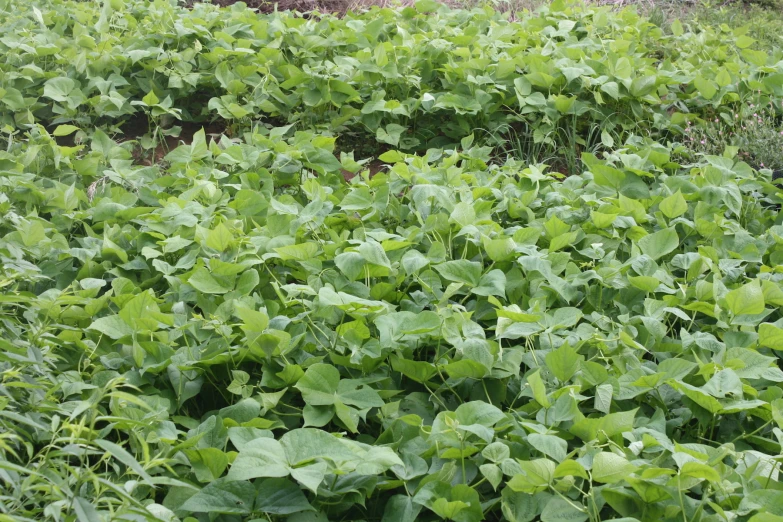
(137,127)
(375,166)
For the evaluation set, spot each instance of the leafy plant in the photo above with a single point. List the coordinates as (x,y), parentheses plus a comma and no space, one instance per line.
(236,332)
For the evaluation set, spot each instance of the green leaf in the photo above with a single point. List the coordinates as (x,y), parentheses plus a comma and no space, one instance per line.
(466,369)
(660,243)
(460,271)
(563,362)
(603,397)
(310,476)
(220,238)
(539,388)
(112,326)
(747,299)
(699,396)
(401,508)
(59,89)
(674,205)
(700,471)
(223,496)
(64,130)
(448,510)
(463,214)
(85,512)
(724,383)
(641,86)
(744,41)
(549,445)
(300,252)
(560,510)
(771,336)
(609,467)
(588,429)
(349,416)
(536,476)
(319,384)
(492,473)
(570,468)
(705,87)
(419,371)
(517,506)
(479,412)
(203,281)
(392,133)
(150,99)
(119,453)
(496,452)
(262,457)
(426,6)
(491,283)
(278,496)
(373,252)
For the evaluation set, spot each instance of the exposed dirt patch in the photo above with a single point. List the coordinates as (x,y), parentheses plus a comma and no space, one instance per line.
(137,127)
(375,166)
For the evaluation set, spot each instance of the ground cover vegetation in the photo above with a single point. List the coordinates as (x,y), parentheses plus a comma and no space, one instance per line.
(413,263)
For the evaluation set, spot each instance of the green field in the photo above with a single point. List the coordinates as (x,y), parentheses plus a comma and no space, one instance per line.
(412,263)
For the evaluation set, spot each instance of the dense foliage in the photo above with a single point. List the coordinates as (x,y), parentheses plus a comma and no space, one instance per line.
(233,331)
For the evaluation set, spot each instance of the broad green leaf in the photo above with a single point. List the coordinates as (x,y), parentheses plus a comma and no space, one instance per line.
(262,457)
(610,425)
(550,445)
(572,468)
(220,238)
(563,362)
(496,452)
(705,87)
(479,412)
(701,471)
(603,397)
(771,336)
(401,508)
(517,506)
(460,271)
(419,371)
(112,326)
(674,205)
(536,476)
(560,510)
(658,244)
(699,396)
(319,384)
(223,496)
(279,496)
(204,282)
(300,252)
(747,299)
(609,467)
(59,89)
(492,473)
(310,476)
(373,252)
